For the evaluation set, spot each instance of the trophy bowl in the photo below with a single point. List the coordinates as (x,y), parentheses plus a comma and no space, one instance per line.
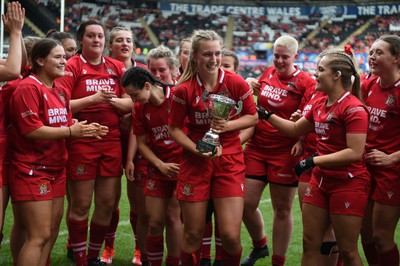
(219,107)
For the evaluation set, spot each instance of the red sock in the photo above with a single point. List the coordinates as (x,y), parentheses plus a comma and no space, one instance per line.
(78,236)
(370,253)
(260,243)
(133,219)
(278,260)
(229,259)
(390,257)
(206,245)
(155,249)
(190,259)
(172,261)
(340,261)
(97,234)
(112,229)
(218,243)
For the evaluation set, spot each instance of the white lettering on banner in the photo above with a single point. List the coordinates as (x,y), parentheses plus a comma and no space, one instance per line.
(284,11)
(202,118)
(378,10)
(210,9)
(247,10)
(179,7)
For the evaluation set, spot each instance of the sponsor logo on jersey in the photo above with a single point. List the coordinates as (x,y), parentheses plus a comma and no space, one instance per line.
(45,96)
(148,116)
(347,204)
(188,190)
(43,189)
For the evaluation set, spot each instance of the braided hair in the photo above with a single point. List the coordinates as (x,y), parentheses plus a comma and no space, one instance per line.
(138,76)
(342,61)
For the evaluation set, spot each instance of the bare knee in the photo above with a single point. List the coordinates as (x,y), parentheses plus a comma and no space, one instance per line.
(193,237)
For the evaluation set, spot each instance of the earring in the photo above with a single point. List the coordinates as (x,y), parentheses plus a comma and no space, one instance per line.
(338,73)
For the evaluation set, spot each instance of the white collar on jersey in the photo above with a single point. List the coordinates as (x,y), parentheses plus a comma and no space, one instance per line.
(343,96)
(36,79)
(220,80)
(85,61)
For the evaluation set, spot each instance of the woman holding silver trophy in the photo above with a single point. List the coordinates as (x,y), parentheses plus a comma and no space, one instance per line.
(210,97)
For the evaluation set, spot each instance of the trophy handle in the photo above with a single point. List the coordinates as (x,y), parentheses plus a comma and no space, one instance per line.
(238,109)
(204,98)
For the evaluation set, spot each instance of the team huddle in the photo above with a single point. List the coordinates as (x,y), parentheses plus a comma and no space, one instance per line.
(195,139)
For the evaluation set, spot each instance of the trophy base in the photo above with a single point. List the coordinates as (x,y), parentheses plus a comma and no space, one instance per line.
(205,147)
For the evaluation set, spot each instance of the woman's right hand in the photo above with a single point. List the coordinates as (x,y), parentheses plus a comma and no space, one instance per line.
(82,129)
(103,96)
(14,18)
(296,115)
(254,85)
(129,171)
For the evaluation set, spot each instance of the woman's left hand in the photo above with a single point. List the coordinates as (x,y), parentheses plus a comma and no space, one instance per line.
(379,158)
(219,125)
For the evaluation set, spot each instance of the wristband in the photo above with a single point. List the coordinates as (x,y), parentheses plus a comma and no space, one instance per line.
(263,113)
(304,165)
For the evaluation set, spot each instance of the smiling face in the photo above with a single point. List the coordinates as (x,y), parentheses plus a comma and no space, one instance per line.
(183,55)
(381,60)
(284,60)
(141,95)
(160,70)
(228,63)
(92,41)
(121,45)
(324,76)
(69,47)
(53,65)
(208,57)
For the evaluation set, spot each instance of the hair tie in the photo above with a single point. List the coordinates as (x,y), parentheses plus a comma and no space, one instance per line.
(347,49)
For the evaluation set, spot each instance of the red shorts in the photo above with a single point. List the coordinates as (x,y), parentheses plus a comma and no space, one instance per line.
(386,184)
(338,196)
(140,172)
(88,159)
(36,185)
(160,188)
(276,168)
(201,178)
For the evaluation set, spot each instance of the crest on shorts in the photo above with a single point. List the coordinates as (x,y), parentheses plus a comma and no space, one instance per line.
(308,192)
(43,189)
(390,101)
(80,169)
(188,190)
(390,194)
(151,184)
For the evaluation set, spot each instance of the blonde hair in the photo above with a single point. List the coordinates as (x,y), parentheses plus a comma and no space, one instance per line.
(343,62)
(162,51)
(111,38)
(288,42)
(198,35)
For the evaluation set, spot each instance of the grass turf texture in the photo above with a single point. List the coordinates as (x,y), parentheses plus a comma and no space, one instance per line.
(124,242)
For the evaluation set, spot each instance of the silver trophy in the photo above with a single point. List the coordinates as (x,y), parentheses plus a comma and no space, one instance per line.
(220,107)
